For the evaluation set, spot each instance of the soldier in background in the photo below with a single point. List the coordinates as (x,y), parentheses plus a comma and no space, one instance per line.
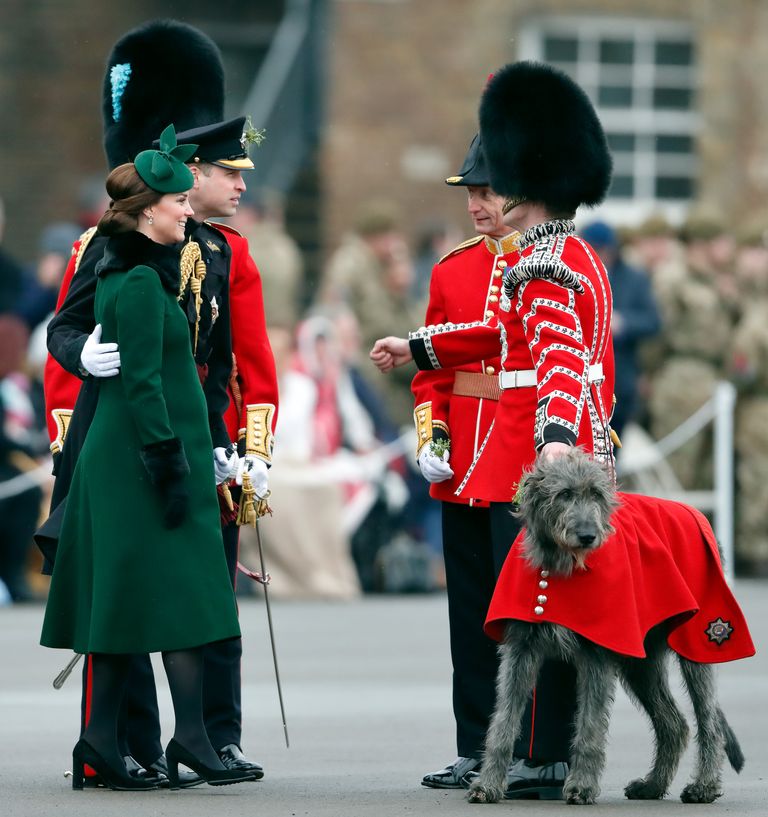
(353,272)
(698,311)
(655,247)
(748,369)
(635,317)
(261,220)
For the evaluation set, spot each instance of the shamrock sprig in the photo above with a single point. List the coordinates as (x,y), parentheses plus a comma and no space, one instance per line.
(251,135)
(438,447)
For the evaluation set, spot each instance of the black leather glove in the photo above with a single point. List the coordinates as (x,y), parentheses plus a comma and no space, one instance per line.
(167,466)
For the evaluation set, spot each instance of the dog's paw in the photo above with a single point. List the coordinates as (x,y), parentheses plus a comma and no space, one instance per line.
(700,793)
(642,789)
(580,794)
(479,793)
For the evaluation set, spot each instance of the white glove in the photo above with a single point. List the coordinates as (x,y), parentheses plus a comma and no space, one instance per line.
(99,359)
(434,469)
(257,470)
(224,466)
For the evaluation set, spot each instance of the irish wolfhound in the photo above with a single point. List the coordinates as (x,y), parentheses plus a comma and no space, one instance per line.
(566,506)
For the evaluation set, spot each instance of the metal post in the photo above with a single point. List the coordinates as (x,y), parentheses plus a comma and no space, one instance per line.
(725,400)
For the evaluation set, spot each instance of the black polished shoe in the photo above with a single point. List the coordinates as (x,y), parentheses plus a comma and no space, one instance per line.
(175,753)
(135,770)
(186,779)
(528,780)
(451,776)
(232,757)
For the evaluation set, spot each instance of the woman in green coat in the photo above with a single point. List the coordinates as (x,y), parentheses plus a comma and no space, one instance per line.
(141,565)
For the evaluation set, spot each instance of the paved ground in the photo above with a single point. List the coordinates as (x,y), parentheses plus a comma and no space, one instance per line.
(366,687)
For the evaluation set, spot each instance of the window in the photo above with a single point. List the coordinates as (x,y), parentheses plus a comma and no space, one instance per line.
(640,75)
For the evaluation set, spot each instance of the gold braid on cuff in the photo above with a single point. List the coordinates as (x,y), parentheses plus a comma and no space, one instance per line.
(422,417)
(259,439)
(61,417)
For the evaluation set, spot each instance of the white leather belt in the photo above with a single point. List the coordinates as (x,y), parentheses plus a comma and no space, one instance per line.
(521,378)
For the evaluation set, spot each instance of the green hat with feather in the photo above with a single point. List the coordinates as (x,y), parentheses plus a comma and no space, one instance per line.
(164,170)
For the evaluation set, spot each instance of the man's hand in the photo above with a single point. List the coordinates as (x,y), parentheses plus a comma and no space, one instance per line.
(390,352)
(225,464)
(433,468)
(100,359)
(552,451)
(257,470)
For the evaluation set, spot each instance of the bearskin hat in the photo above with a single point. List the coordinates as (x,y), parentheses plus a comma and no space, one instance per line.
(542,138)
(163,72)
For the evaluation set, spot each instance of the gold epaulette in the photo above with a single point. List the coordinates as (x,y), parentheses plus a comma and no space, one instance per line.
(470,242)
(85,240)
(225,228)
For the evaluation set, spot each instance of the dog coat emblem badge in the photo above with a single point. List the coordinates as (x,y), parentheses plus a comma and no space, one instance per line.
(719,630)
(211,246)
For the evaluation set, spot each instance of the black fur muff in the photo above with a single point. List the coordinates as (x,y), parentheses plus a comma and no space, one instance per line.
(167,466)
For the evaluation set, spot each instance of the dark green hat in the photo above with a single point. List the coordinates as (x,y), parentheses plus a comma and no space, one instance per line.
(164,170)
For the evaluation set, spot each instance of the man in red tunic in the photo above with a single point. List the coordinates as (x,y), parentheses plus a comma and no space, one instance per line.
(454,411)
(552,332)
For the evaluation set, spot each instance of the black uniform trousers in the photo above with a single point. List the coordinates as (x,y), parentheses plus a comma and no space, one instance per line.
(139,719)
(475,544)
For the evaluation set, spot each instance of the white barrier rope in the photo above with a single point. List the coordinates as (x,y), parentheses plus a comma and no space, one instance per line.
(718,410)
(354,466)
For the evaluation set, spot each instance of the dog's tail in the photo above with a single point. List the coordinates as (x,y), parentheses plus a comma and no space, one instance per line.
(732,748)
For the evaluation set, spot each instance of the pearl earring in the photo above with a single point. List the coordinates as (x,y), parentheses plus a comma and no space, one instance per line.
(150,219)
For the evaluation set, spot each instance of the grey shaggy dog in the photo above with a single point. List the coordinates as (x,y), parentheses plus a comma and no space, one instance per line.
(566,504)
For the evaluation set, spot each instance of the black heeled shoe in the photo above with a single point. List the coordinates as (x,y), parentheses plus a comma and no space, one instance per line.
(116,779)
(175,753)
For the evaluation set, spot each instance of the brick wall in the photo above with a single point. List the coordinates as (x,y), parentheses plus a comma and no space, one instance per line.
(406,76)
(404,81)
(52,55)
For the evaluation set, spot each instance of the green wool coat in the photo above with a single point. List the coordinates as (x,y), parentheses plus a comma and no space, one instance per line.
(122,581)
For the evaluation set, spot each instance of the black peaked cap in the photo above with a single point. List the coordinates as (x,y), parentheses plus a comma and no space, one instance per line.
(474,170)
(221,143)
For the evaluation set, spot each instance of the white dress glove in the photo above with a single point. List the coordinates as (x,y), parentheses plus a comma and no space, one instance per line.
(224,465)
(256,468)
(433,468)
(97,358)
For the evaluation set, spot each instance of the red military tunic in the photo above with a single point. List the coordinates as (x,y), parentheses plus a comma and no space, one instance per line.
(60,387)
(662,563)
(253,387)
(465,286)
(554,319)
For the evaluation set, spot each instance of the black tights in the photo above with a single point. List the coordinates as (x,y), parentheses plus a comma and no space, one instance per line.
(184,669)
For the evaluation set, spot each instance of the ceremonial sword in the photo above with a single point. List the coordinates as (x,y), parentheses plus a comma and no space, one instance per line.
(263,579)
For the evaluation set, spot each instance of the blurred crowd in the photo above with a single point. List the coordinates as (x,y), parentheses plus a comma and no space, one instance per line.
(352,513)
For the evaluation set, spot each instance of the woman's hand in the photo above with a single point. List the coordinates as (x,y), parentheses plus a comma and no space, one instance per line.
(390,352)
